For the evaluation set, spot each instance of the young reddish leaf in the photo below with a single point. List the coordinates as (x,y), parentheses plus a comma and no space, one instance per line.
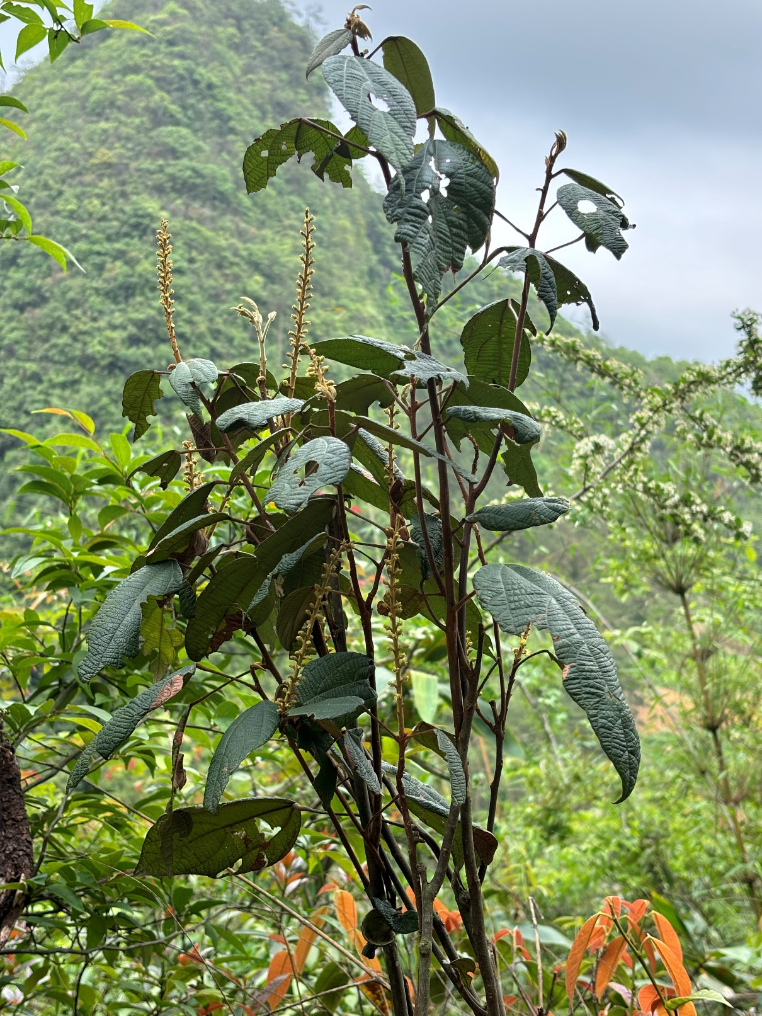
(346,909)
(597,939)
(636,912)
(668,935)
(649,951)
(678,975)
(327,888)
(648,998)
(373,991)
(279,975)
(608,964)
(577,952)
(303,946)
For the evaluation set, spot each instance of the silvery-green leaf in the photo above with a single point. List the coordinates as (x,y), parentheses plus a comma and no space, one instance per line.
(524,514)
(356,82)
(426,368)
(141,390)
(454,766)
(527,259)
(255,415)
(290,491)
(434,531)
(115,631)
(603,226)
(517,596)
(248,732)
(353,739)
(526,429)
(181,381)
(329,45)
(191,841)
(442,204)
(125,720)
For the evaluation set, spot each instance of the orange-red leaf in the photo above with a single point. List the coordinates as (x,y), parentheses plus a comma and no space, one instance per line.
(637,910)
(376,994)
(303,946)
(668,935)
(279,975)
(678,975)
(597,938)
(648,998)
(577,952)
(346,909)
(608,964)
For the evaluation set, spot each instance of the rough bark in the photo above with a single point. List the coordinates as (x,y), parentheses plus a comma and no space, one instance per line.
(16,851)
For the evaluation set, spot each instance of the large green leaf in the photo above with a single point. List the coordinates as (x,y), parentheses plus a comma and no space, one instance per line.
(267,153)
(255,415)
(431,808)
(333,458)
(165,466)
(407,63)
(191,841)
(386,359)
(335,687)
(519,468)
(592,184)
(517,596)
(526,430)
(487,340)
(185,379)
(329,45)
(356,82)
(249,731)
(455,130)
(246,580)
(570,289)
(479,394)
(359,393)
(445,206)
(115,631)
(125,720)
(190,508)
(179,539)
(534,262)
(141,390)
(524,514)
(602,227)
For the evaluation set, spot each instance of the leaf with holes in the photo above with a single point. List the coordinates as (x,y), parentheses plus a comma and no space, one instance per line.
(191,841)
(114,633)
(338,677)
(356,82)
(255,415)
(329,45)
(299,137)
(333,459)
(407,63)
(455,130)
(125,720)
(534,263)
(487,340)
(603,226)
(248,732)
(525,514)
(141,390)
(444,207)
(525,428)
(517,596)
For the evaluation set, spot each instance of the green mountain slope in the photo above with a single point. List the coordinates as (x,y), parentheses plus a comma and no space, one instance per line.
(130,127)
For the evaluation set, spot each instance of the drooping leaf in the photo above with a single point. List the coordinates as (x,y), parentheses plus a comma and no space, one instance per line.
(180,538)
(432,809)
(524,514)
(385,359)
(255,415)
(333,458)
(570,289)
(609,961)
(329,45)
(577,954)
(356,82)
(267,153)
(339,676)
(115,631)
(517,596)
(407,63)
(141,390)
(534,262)
(292,613)
(353,739)
(445,206)
(191,841)
(165,466)
(241,582)
(487,340)
(454,766)
(185,379)
(405,923)
(190,508)
(602,227)
(668,934)
(346,909)
(248,732)
(434,532)
(125,720)
(455,130)
(479,394)
(427,368)
(526,430)
(677,972)
(519,468)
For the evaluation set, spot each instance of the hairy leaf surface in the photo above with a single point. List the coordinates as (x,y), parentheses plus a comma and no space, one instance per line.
(524,514)
(255,415)
(525,428)
(602,227)
(249,731)
(329,45)
(267,153)
(487,340)
(333,458)
(340,676)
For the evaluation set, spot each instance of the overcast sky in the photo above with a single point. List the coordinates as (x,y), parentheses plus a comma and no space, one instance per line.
(660,100)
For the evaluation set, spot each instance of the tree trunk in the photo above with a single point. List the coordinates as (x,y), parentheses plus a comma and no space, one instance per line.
(16,851)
